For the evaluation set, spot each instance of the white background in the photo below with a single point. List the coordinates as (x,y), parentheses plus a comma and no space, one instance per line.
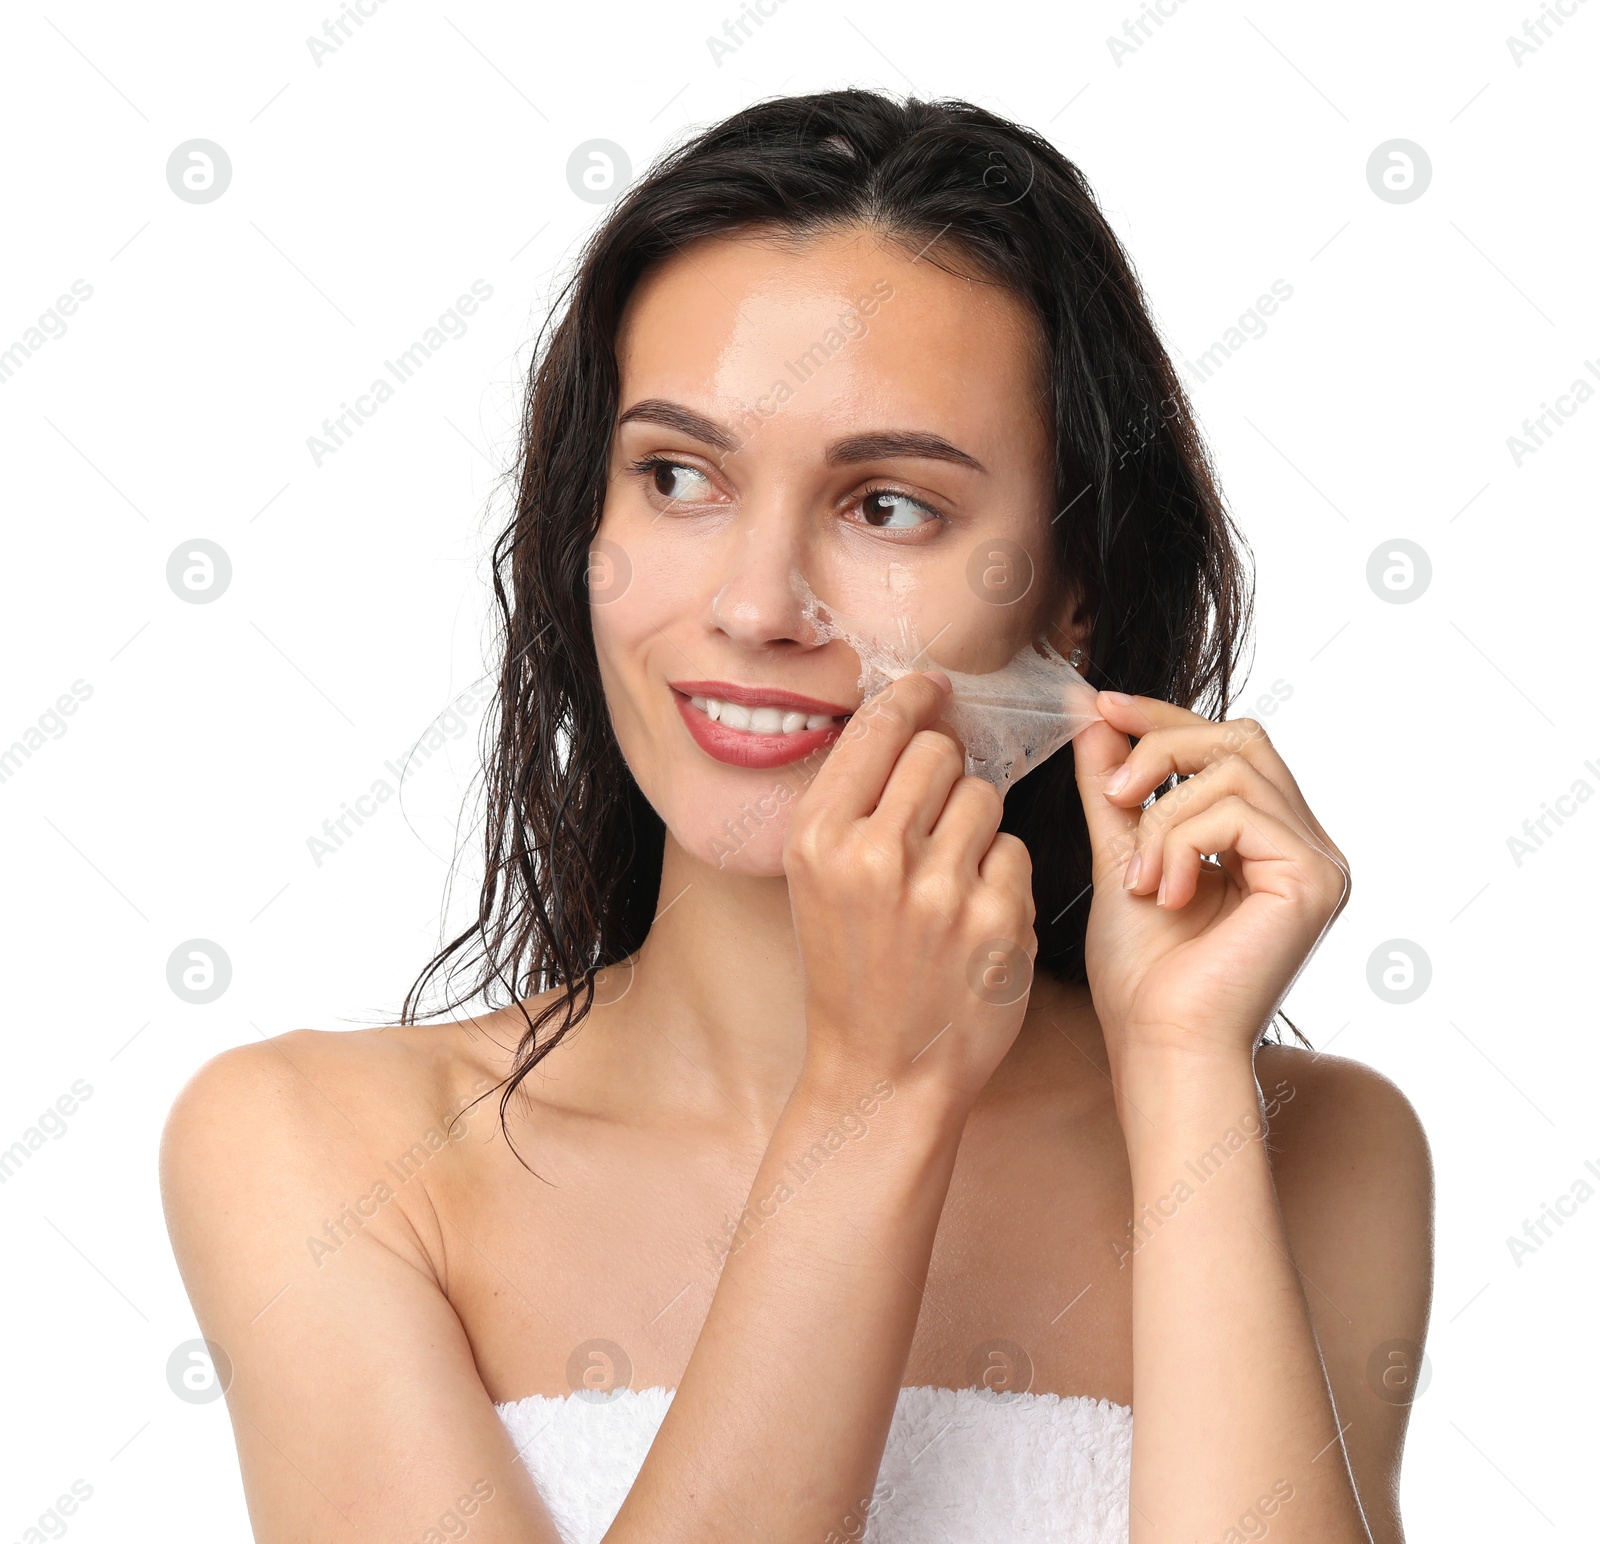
(1229,150)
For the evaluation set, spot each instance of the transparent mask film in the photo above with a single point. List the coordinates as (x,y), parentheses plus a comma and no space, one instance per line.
(1009,720)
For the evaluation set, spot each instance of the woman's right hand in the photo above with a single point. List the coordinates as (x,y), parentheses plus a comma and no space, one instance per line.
(913,911)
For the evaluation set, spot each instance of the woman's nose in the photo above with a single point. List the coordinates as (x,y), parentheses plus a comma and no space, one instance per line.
(753,601)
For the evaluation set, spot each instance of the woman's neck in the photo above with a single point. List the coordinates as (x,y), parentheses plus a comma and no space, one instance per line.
(708,1028)
(712,1022)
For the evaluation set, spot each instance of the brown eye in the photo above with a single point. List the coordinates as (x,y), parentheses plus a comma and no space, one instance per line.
(887,510)
(673,480)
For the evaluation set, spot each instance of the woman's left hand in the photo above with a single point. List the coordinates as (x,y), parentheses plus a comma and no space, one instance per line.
(1203,965)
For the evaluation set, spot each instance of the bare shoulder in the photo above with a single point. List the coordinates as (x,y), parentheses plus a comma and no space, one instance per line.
(394,1062)
(1333,1116)
(1354,1178)
(270,1084)
(1350,1158)
(309,1117)
(297,1175)
(304,1083)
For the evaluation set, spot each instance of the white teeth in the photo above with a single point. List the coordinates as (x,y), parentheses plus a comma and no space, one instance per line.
(763,720)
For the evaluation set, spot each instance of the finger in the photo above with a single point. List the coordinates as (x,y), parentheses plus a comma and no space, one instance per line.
(1097,752)
(966,830)
(1233,775)
(1173,739)
(852,779)
(1275,859)
(1008,867)
(914,797)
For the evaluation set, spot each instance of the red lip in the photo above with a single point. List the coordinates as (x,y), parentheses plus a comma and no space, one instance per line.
(756,696)
(760,752)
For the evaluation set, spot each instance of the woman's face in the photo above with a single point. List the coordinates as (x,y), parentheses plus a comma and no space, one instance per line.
(842,410)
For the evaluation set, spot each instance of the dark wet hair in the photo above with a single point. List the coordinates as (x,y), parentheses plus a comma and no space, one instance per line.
(573,850)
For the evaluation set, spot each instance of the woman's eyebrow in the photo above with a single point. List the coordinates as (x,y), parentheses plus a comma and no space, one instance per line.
(890,442)
(672,415)
(874,446)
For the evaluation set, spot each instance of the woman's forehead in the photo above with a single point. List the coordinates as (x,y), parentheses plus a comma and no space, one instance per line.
(845,325)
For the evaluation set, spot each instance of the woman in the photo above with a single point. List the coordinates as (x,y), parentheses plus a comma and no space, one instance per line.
(867,1146)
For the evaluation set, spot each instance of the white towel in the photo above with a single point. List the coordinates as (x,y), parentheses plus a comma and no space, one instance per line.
(961,1466)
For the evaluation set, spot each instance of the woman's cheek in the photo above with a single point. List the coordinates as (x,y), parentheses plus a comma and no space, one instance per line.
(624,626)
(963,627)
(726,818)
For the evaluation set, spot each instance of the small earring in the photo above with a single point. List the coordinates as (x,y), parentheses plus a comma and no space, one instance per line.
(1076,659)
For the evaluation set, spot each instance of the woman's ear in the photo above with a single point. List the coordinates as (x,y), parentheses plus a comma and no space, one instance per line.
(1065,622)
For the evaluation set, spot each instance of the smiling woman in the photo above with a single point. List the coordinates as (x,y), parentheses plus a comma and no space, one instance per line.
(870,516)
(766,964)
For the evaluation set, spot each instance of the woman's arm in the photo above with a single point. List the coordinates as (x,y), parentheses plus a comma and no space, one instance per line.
(1237,1430)
(358,1409)
(915,925)
(779,1423)
(1354,1178)
(1259,1310)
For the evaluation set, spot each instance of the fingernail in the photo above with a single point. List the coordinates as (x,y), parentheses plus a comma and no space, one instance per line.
(1118,779)
(940,679)
(1121,699)
(1161,891)
(1131,878)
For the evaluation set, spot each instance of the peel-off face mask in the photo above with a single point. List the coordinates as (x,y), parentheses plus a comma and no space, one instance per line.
(1009,720)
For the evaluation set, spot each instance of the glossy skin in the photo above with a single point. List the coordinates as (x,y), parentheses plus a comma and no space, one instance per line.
(823,959)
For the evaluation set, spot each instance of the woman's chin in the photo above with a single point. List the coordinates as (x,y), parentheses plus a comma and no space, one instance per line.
(755,854)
